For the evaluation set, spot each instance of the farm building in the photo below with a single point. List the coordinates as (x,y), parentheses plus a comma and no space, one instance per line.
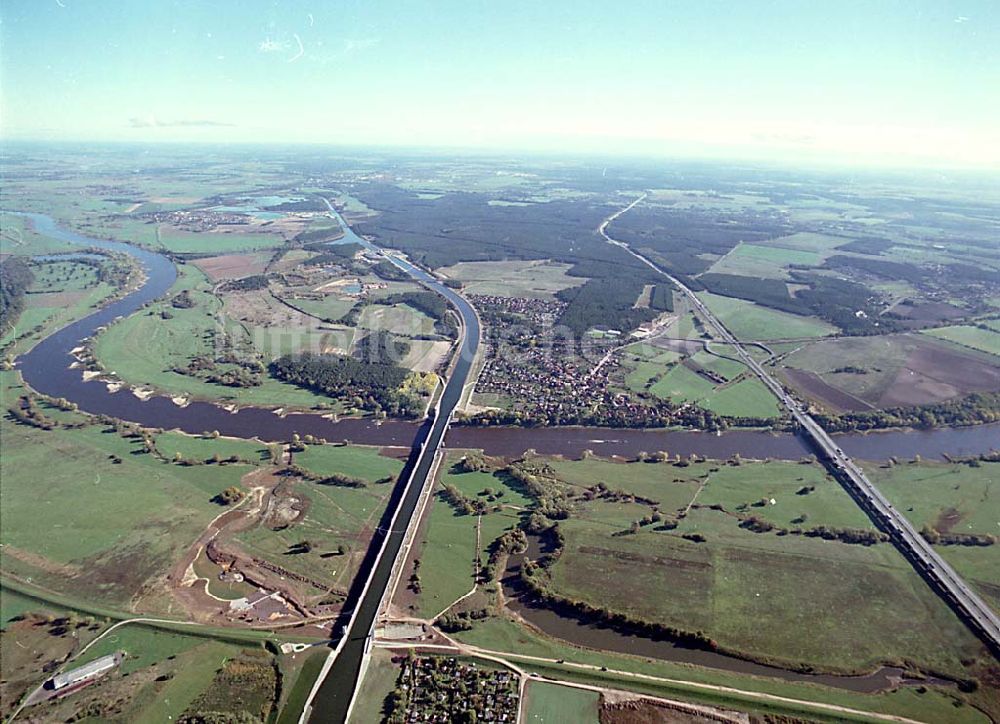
(87,672)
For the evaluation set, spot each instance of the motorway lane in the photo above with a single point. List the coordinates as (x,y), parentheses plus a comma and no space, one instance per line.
(968,604)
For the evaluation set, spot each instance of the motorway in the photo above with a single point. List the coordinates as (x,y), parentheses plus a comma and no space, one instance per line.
(973,610)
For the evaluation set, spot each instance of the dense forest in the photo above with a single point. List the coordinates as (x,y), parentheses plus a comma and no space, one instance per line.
(381,347)
(368,386)
(15,278)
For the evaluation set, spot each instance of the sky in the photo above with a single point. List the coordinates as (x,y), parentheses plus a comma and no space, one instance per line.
(908,82)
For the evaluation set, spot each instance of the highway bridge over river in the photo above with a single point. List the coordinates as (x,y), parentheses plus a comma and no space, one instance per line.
(966,602)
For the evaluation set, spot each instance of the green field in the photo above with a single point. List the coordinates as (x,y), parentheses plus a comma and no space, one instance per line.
(775,597)
(336,515)
(808,241)
(360,461)
(749,321)
(144,348)
(19,238)
(448,552)
(985,340)
(110,519)
(62,292)
(766,261)
(187,242)
(553,704)
(952,498)
(164,672)
(379,681)
(745,398)
(891,365)
(400,319)
(330,307)
(538,279)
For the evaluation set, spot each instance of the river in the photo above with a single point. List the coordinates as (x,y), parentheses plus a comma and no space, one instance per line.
(46,368)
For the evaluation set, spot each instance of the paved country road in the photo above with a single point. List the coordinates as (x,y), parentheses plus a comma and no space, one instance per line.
(968,604)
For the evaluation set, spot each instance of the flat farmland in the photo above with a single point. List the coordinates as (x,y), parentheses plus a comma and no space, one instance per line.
(18,237)
(447,538)
(744,398)
(777,597)
(895,370)
(952,499)
(144,349)
(400,319)
(118,524)
(749,321)
(755,260)
(188,242)
(821,244)
(985,340)
(553,704)
(540,279)
(232,266)
(502,634)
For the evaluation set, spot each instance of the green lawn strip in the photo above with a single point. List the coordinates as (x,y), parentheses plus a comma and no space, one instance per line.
(502,635)
(199,448)
(746,398)
(46,600)
(553,704)
(184,242)
(749,321)
(379,681)
(359,461)
(14,604)
(985,340)
(305,674)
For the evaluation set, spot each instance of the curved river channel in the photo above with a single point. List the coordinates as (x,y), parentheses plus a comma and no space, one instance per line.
(46,368)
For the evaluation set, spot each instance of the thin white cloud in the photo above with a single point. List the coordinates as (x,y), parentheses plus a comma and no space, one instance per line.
(270,46)
(300,52)
(152,121)
(355,45)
